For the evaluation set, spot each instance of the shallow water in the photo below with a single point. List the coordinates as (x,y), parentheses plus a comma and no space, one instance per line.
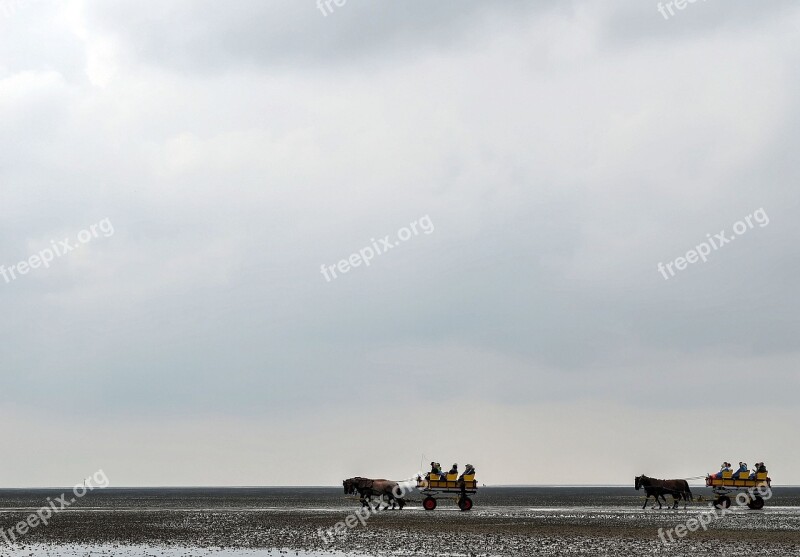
(319,498)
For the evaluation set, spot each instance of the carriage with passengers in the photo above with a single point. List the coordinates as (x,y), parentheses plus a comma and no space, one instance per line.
(727,482)
(751,487)
(435,485)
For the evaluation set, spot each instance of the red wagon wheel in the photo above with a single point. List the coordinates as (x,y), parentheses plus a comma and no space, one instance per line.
(465,504)
(429,503)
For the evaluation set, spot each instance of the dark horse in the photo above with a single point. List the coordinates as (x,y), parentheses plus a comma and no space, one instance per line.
(678,489)
(366,488)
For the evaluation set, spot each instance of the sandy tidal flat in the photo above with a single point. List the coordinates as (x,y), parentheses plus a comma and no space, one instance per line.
(505,521)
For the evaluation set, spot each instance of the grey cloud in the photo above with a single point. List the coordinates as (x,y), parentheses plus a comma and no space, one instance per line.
(558,166)
(209,36)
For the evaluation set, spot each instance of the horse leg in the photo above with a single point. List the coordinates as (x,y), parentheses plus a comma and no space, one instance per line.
(389,499)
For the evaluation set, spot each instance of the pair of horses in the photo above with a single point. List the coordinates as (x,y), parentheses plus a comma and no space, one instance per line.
(678,489)
(367,488)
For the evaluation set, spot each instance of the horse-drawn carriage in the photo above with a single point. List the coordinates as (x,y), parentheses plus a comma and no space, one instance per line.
(436,485)
(754,486)
(726,484)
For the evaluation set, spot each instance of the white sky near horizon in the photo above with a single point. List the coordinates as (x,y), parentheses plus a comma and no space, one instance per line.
(561,151)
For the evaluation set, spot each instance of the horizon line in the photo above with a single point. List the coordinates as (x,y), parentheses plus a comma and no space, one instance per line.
(321,486)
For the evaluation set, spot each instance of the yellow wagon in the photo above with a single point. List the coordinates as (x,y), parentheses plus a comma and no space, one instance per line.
(435,485)
(726,484)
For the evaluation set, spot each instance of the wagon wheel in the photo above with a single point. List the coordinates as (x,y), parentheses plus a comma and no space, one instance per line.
(465,503)
(756,504)
(429,503)
(723,502)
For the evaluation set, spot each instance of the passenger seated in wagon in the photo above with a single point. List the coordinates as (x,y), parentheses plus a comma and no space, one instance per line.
(726,467)
(759,469)
(452,475)
(467,476)
(435,473)
(742,472)
(468,471)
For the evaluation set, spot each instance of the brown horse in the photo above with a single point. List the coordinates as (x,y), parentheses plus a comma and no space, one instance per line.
(678,489)
(366,488)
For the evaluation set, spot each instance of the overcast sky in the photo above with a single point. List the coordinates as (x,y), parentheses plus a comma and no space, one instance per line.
(551,156)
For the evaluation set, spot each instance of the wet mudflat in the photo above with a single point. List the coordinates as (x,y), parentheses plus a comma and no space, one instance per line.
(505,521)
